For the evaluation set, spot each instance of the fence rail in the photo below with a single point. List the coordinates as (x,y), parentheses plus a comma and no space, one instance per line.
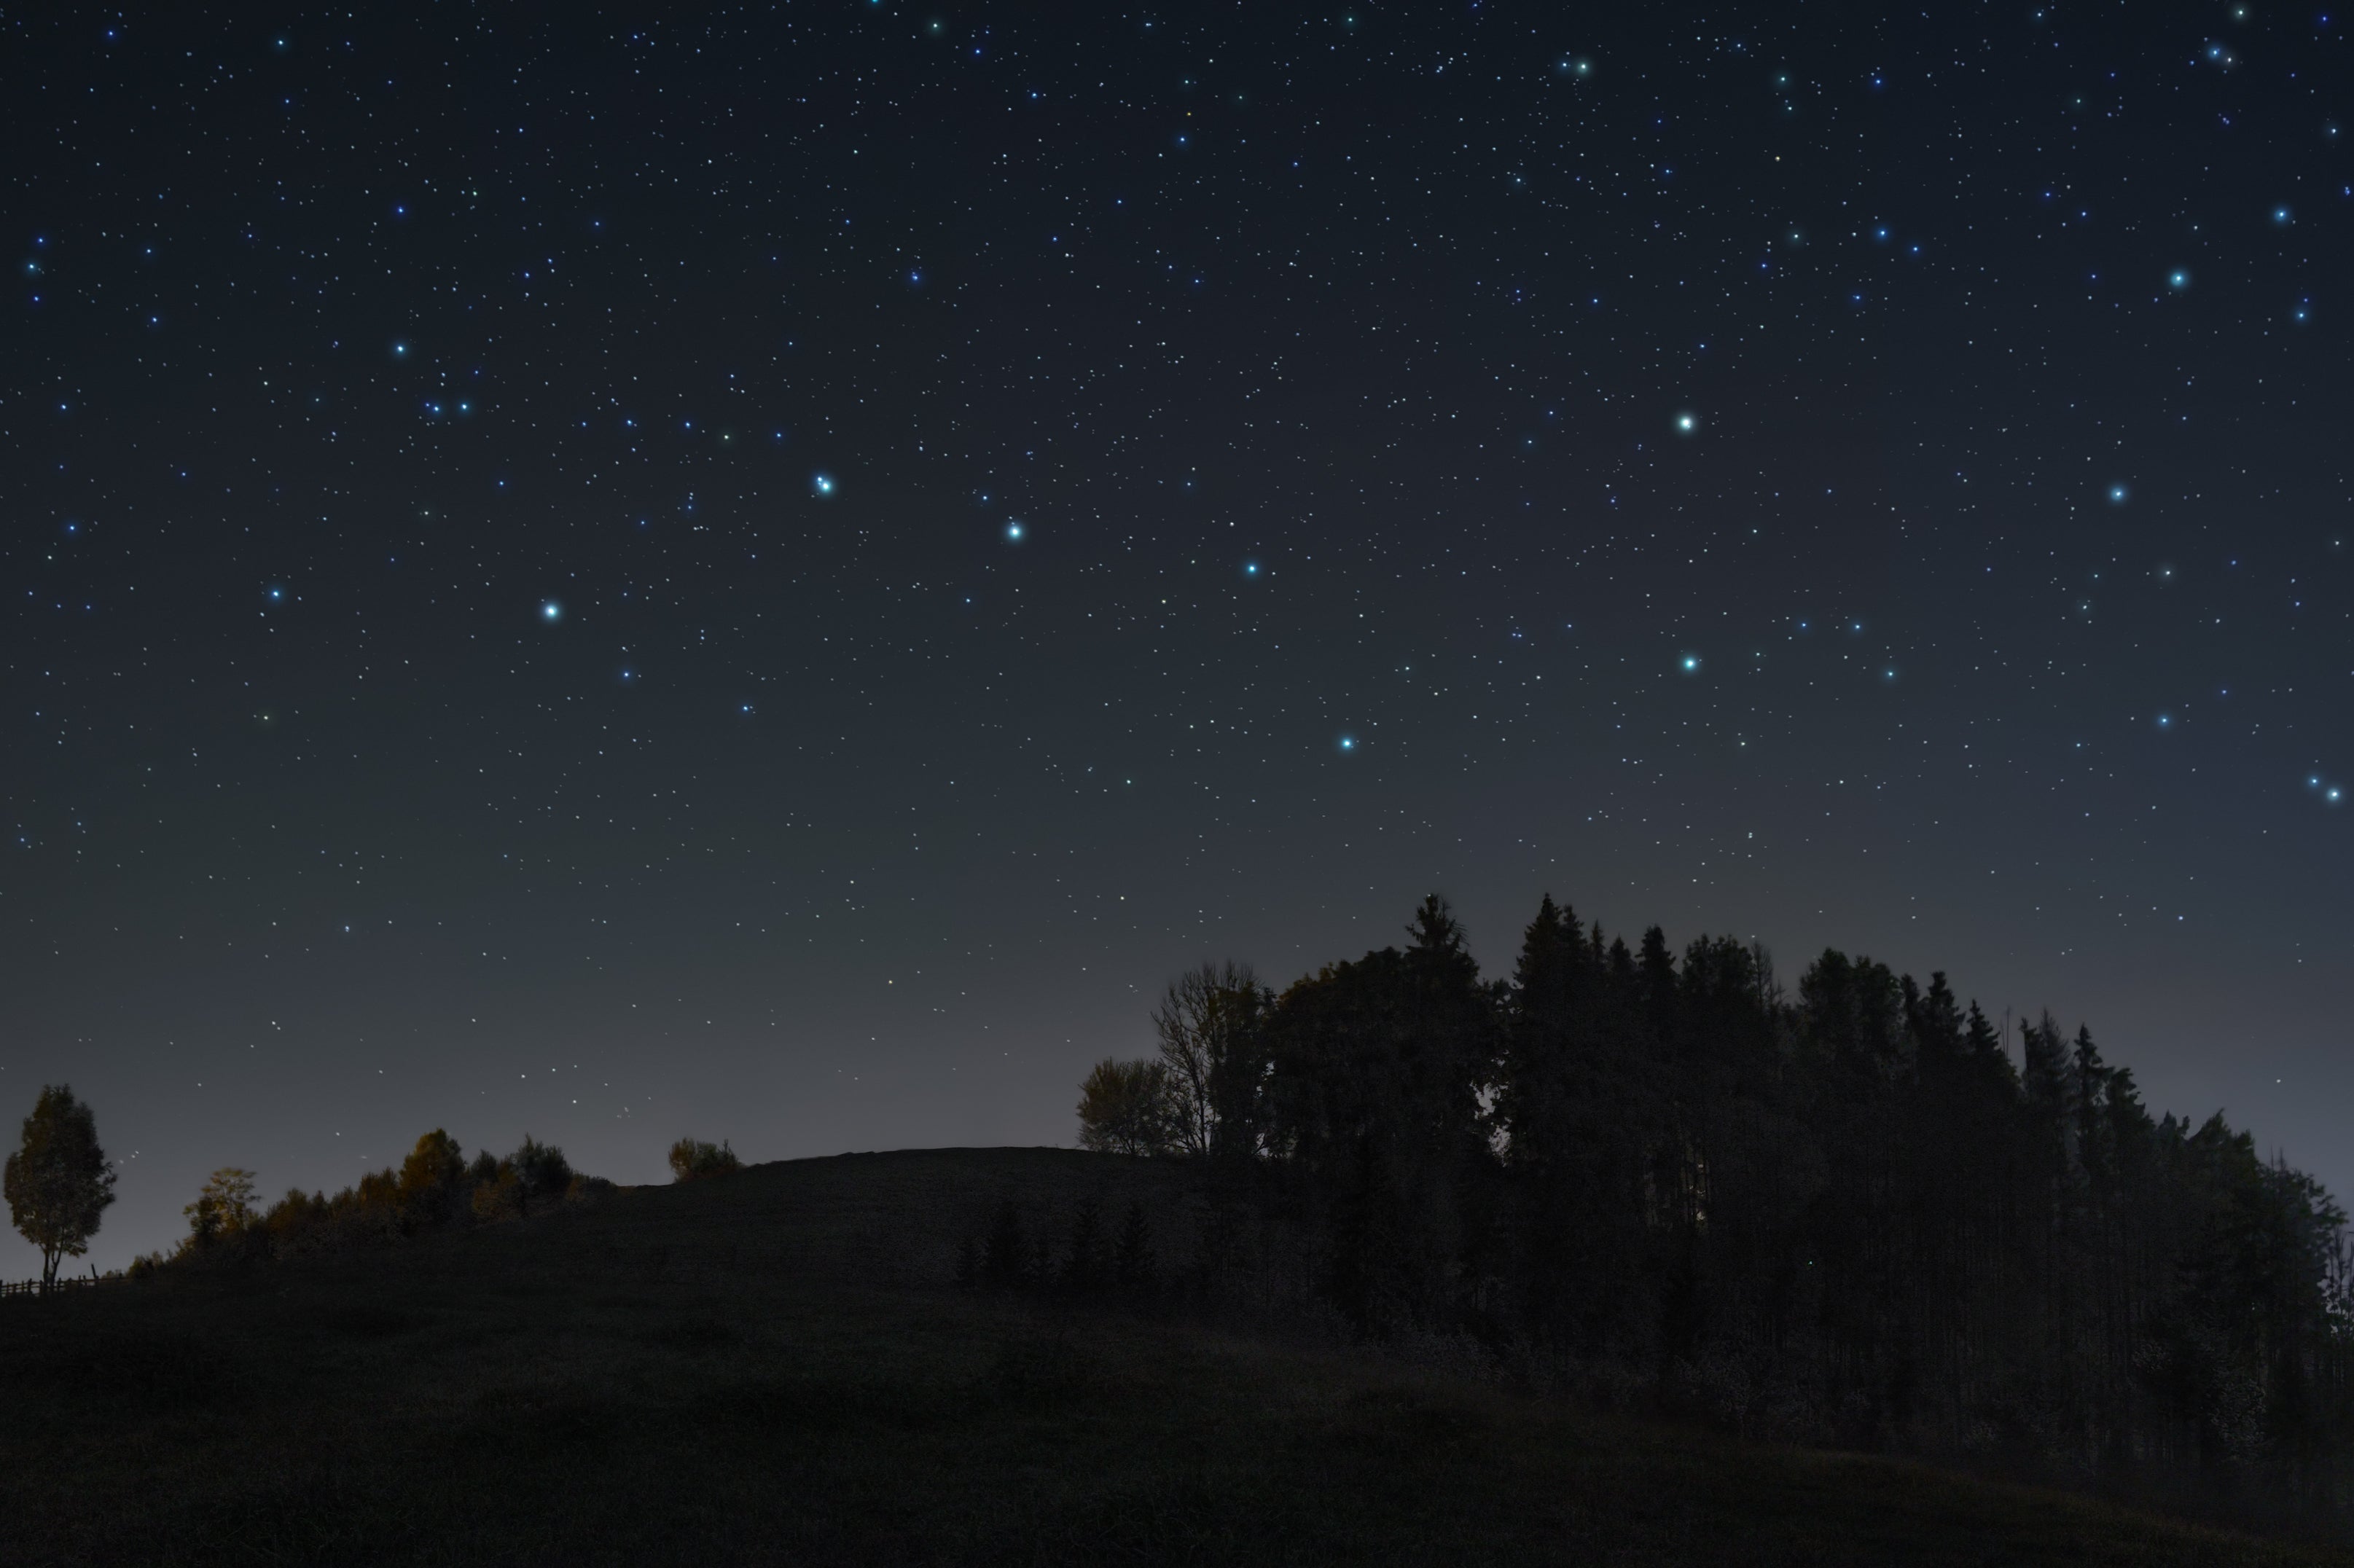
(70,1282)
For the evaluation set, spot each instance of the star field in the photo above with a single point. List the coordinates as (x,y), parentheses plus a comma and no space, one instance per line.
(771,574)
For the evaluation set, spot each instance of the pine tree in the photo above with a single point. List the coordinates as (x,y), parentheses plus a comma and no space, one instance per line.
(1083,1258)
(1133,1263)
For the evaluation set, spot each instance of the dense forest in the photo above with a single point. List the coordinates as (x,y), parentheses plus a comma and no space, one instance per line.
(1851,1215)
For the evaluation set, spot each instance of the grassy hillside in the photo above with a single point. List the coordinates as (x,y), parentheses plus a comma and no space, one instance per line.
(771,1369)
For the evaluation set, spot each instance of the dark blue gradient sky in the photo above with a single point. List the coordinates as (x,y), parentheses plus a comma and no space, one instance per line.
(773,572)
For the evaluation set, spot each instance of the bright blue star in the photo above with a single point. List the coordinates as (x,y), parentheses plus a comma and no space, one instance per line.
(551,610)
(2178,280)
(821,483)
(1013,530)
(1687,423)
(1347,742)
(2118,494)
(1250,568)
(2282,215)
(1690,663)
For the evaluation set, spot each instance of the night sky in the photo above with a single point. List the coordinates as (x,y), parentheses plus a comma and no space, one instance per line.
(773,572)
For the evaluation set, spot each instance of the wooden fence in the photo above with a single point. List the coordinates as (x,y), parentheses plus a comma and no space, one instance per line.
(68,1282)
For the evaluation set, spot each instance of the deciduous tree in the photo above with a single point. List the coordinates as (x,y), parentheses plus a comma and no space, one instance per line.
(58,1182)
(1125,1107)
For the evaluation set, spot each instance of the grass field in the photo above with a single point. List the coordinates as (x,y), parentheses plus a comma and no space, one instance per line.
(773,1367)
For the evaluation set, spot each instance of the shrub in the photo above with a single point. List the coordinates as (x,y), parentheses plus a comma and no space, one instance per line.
(692,1160)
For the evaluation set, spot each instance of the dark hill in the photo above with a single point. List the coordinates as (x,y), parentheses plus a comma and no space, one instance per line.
(773,1366)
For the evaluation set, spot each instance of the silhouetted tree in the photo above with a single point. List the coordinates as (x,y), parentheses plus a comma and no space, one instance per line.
(691,1159)
(1848,1215)
(1374,1099)
(1128,1108)
(1133,1263)
(58,1182)
(1005,1260)
(542,1173)
(1083,1259)
(501,1195)
(433,1186)
(223,1209)
(1212,1026)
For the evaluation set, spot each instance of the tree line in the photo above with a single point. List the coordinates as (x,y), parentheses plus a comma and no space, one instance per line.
(1852,1214)
(60,1183)
(435,1188)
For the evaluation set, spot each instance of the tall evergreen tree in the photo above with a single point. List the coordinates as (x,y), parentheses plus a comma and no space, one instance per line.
(1847,1216)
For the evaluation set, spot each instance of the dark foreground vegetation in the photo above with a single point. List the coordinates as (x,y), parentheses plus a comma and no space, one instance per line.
(1849,1216)
(776,1366)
